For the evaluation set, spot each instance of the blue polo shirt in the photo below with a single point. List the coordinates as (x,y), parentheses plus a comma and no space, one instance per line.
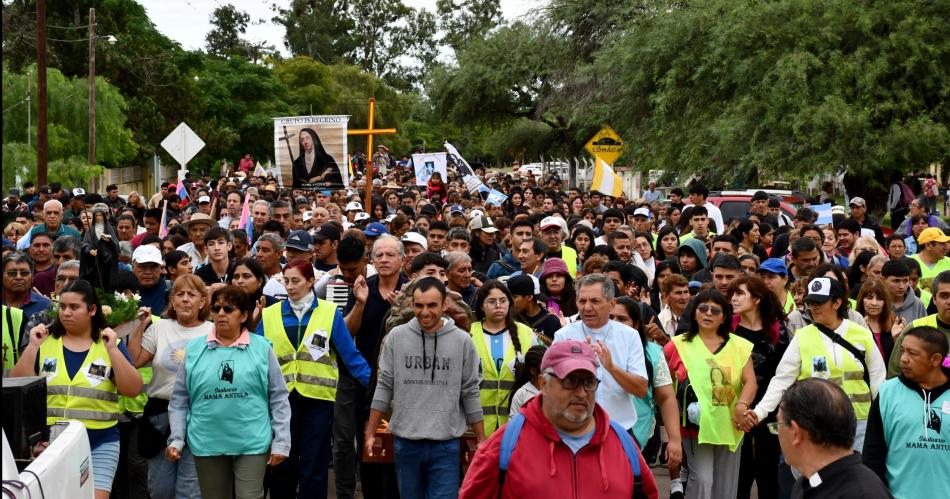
(340,339)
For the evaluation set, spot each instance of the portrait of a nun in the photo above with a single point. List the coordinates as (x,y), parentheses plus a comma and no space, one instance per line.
(314,167)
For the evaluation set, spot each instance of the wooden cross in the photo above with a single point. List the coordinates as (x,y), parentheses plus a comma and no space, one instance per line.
(369,132)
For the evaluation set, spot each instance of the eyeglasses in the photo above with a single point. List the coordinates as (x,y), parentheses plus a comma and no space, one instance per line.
(706,308)
(571,383)
(22,273)
(773,426)
(227,309)
(500,302)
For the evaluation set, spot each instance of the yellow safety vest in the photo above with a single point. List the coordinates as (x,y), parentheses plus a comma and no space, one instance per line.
(716,403)
(312,378)
(495,386)
(817,362)
(94,405)
(570,258)
(789,303)
(136,404)
(12,318)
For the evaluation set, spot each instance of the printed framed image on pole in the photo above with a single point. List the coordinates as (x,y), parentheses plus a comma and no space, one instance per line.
(311,151)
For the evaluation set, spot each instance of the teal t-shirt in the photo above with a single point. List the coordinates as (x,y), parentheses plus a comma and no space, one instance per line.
(230,401)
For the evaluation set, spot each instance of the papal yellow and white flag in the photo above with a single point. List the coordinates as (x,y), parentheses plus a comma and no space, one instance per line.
(605,180)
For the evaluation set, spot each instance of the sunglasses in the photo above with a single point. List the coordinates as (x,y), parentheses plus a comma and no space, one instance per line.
(705,308)
(227,309)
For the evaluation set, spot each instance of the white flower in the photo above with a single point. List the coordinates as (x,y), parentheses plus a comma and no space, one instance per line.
(106,310)
(119,296)
(137,297)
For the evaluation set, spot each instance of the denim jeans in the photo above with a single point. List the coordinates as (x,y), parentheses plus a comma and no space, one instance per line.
(428,469)
(167,480)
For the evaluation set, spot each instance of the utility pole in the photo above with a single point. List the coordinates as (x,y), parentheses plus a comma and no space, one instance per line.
(29,107)
(92,87)
(41,92)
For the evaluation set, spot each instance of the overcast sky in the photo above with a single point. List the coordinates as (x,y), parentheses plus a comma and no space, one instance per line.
(188,21)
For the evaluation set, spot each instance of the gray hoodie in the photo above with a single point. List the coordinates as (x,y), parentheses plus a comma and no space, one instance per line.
(433,379)
(911,309)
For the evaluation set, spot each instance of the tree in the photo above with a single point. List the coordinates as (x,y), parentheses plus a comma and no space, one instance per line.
(67,128)
(320,29)
(228,26)
(380,36)
(464,20)
(782,88)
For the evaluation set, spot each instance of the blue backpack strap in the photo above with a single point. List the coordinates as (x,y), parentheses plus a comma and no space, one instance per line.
(630,449)
(508,441)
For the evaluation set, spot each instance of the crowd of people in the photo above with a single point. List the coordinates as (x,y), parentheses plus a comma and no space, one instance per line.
(576,340)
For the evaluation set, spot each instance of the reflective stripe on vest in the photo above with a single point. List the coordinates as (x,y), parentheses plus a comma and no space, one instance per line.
(97,407)
(817,362)
(717,400)
(311,378)
(495,388)
(12,318)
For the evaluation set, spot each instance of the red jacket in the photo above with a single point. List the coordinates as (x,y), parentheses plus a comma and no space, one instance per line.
(543,466)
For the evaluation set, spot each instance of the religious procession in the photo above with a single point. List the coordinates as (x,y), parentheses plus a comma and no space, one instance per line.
(371,285)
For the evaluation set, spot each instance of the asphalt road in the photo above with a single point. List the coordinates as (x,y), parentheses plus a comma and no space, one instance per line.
(660,473)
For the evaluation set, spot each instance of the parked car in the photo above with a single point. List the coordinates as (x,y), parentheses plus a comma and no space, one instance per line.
(735,204)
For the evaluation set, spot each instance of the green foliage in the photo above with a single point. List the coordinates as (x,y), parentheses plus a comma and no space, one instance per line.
(792,87)
(376,35)
(67,129)
(320,29)
(464,20)
(228,25)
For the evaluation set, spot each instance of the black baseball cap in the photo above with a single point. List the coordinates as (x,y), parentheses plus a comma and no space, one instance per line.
(328,230)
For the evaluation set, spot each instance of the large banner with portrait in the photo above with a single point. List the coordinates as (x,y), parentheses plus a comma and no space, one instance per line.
(311,151)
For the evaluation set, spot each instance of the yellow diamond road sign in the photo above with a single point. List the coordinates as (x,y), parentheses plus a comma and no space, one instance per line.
(606,145)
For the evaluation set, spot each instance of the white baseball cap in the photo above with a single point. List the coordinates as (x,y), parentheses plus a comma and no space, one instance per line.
(204,199)
(307,215)
(390,218)
(361,216)
(353,206)
(643,211)
(415,238)
(147,253)
(79,192)
(475,214)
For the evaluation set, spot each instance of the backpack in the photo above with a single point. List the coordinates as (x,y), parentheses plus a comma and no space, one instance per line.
(513,430)
(907,195)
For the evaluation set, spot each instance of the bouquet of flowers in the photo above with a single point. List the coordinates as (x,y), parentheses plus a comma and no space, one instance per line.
(118,309)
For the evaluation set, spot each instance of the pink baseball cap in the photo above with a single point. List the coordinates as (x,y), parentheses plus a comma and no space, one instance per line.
(564,357)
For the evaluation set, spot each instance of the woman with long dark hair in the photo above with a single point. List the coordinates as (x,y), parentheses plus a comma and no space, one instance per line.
(660,392)
(558,286)
(527,383)
(715,385)
(874,303)
(313,165)
(500,343)
(759,318)
(86,369)
(667,242)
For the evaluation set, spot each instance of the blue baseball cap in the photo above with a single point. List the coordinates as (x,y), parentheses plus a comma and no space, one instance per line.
(456,208)
(375,229)
(774,266)
(300,240)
